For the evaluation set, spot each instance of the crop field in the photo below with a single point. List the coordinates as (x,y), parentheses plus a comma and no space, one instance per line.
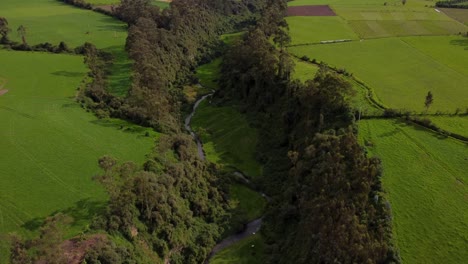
(454,124)
(400,74)
(312,29)
(50,145)
(426,182)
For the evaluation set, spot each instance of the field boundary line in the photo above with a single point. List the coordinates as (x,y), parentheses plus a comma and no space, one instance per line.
(430,57)
(430,154)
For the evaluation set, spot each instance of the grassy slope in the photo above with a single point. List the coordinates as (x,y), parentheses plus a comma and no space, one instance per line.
(227,137)
(242,252)
(53,21)
(248,201)
(49,144)
(426,181)
(208,74)
(405,79)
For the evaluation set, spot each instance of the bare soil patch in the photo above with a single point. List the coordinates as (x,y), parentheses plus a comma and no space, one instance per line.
(3,91)
(311,10)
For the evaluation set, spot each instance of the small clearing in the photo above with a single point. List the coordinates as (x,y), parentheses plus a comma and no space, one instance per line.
(312,10)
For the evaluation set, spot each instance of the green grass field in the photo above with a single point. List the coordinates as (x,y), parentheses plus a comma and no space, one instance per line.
(426,181)
(454,124)
(400,74)
(247,251)
(53,21)
(50,145)
(310,29)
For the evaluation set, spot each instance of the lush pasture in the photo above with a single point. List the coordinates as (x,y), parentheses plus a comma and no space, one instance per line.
(400,74)
(227,137)
(208,74)
(50,145)
(454,124)
(246,251)
(426,181)
(390,28)
(53,21)
(313,29)
(450,51)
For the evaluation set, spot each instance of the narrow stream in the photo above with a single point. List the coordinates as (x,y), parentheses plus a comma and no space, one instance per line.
(251,227)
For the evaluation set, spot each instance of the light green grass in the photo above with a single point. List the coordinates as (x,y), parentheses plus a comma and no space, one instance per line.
(312,29)
(391,28)
(242,252)
(231,37)
(304,71)
(208,74)
(400,74)
(53,21)
(427,184)
(248,201)
(227,137)
(454,124)
(50,145)
(450,51)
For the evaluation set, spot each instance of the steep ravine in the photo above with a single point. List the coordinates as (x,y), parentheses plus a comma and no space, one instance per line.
(251,227)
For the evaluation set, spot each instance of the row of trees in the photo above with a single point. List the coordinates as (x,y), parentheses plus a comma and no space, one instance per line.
(327,205)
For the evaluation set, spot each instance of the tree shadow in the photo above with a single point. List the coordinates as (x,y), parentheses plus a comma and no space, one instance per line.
(69,74)
(17,112)
(460,42)
(83,211)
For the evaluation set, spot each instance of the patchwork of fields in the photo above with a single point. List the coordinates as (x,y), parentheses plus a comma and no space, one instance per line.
(49,144)
(396,54)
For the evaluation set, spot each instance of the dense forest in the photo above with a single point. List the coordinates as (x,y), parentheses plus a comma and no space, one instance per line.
(327,204)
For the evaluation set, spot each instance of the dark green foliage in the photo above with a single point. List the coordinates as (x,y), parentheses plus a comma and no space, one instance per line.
(452,4)
(173,206)
(78,3)
(4,30)
(326,203)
